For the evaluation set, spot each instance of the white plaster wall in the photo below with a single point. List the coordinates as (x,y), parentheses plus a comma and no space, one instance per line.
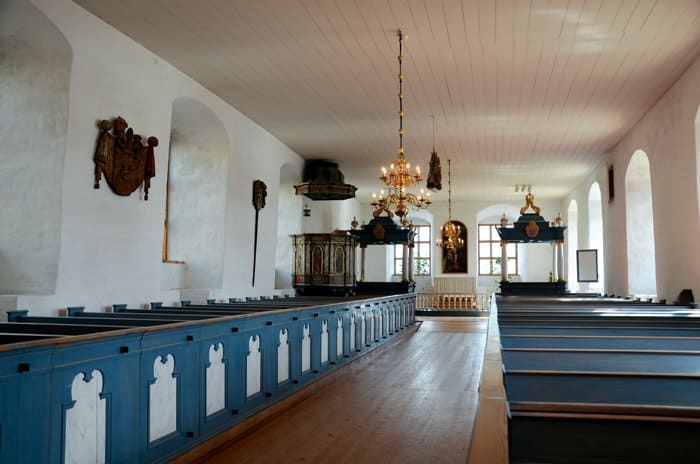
(640,227)
(667,135)
(35,66)
(327,216)
(580,194)
(289,222)
(571,245)
(197,193)
(110,246)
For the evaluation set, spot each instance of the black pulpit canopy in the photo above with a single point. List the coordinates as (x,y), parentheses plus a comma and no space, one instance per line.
(383,230)
(531,228)
(324,181)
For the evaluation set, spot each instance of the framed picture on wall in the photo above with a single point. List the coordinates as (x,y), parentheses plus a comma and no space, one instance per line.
(587,265)
(454,258)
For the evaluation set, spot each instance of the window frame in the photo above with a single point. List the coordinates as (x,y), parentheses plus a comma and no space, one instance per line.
(490,240)
(398,259)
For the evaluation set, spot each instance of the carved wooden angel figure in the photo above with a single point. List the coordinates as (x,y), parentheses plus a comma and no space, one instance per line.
(434,181)
(123,159)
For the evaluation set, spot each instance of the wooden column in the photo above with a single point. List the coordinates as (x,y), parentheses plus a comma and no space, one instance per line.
(560,260)
(404,259)
(363,250)
(504,260)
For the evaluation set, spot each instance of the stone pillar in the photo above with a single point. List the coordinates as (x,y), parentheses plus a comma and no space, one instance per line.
(504,260)
(363,250)
(410,261)
(553,274)
(560,261)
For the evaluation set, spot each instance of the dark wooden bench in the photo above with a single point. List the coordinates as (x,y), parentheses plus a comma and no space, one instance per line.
(610,331)
(555,342)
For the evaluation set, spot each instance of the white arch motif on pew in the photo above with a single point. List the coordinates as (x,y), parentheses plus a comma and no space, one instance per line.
(324,342)
(216,379)
(306,348)
(253,366)
(339,338)
(353,333)
(283,357)
(85,421)
(380,324)
(363,326)
(162,396)
(372,335)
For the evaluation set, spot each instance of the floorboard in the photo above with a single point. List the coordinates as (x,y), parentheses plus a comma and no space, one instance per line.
(413,403)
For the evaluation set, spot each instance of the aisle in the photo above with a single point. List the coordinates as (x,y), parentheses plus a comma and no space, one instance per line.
(414,402)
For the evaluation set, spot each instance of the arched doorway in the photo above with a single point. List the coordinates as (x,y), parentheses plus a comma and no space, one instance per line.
(595,233)
(641,260)
(572,245)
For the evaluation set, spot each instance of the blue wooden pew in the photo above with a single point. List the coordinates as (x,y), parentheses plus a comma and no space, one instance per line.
(514,342)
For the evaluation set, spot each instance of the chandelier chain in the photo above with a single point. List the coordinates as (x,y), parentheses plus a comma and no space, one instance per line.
(400,176)
(400,93)
(449,190)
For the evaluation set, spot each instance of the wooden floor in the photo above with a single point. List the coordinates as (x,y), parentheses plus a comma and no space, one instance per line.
(414,402)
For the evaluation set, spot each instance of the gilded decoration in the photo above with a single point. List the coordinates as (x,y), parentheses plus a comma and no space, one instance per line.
(378,232)
(532,230)
(530,203)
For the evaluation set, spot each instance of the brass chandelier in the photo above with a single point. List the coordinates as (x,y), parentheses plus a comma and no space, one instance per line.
(399,177)
(450,231)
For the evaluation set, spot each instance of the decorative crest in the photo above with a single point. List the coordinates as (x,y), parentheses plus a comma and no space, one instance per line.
(123,159)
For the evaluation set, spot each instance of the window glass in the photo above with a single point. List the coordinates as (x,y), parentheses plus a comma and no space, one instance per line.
(421,252)
(490,252)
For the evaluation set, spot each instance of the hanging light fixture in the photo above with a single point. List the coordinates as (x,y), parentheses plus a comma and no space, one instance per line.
(399,177)
(450,231)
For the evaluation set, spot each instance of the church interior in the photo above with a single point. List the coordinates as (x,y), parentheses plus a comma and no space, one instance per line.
(401,230)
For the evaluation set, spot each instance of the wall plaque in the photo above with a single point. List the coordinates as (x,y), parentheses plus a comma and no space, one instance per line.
(123,159)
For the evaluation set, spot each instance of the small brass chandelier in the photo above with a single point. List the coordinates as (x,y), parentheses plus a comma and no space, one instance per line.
(399,177)
(450,231)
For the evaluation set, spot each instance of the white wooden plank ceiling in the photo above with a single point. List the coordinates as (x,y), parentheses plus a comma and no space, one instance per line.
(523,91)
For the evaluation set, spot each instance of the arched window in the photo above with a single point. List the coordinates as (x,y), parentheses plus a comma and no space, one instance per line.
(595,233)
(572,245)
(196,194)
(35,68)
(641,262)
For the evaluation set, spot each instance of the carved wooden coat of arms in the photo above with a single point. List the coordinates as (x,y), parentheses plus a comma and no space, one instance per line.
(123,159)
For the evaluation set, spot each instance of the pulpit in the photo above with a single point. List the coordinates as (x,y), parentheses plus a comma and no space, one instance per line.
(324,264)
